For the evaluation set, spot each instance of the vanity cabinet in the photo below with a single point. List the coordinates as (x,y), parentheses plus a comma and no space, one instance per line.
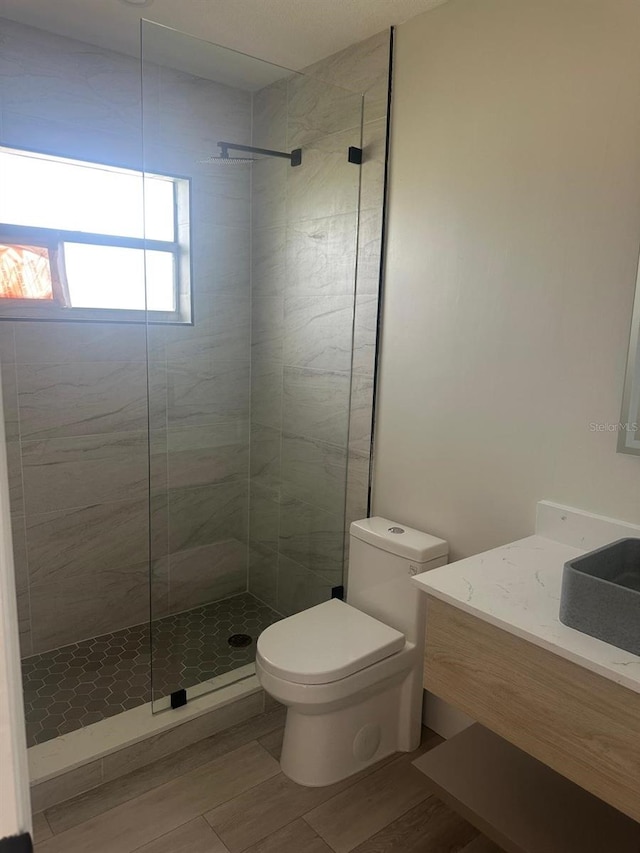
(553,763)
(582,725)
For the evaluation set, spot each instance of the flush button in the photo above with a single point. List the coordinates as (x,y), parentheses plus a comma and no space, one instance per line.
(396,530)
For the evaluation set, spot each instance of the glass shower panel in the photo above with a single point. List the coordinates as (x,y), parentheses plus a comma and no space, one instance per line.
(249,382)
(74,393)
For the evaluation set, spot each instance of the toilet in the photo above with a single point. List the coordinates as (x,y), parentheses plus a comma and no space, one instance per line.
(350,673)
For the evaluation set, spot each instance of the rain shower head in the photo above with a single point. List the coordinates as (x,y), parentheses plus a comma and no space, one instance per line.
(232,161)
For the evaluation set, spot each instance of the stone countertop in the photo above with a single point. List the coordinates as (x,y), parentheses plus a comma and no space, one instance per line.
(516,587)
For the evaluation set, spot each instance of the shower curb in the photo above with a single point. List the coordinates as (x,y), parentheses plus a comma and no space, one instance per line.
(75,763)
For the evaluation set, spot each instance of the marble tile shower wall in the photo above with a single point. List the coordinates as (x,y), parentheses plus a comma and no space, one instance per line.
(75,394)
(309,357)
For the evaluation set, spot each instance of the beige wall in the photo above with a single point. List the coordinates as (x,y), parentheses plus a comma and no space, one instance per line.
(514,226)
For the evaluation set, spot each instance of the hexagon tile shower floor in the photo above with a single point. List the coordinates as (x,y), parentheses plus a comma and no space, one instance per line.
(68,688)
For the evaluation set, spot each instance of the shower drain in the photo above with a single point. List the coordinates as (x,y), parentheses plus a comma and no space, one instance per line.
(240,641)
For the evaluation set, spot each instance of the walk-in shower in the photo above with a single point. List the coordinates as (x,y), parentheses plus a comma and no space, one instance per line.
(192,460)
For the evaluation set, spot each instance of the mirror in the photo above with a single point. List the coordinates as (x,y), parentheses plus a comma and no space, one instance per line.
(629,433)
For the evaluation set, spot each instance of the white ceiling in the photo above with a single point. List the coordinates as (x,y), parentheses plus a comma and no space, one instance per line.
(291,33)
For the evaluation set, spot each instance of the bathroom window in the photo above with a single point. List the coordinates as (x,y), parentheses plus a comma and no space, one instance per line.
(81,240)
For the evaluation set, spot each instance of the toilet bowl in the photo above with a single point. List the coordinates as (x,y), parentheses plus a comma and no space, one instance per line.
(350,673)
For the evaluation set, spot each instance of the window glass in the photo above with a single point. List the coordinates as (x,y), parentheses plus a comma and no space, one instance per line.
(114,277)
(159,208)
(25,273)
(47,192)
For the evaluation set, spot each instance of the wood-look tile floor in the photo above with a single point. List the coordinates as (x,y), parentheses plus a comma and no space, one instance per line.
(227,795)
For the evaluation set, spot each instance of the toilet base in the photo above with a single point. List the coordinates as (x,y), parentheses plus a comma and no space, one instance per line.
(320,749)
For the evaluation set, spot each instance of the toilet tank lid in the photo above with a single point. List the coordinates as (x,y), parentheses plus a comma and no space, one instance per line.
(409,543)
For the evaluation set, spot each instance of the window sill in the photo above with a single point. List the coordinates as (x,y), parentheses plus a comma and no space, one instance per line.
(53,313)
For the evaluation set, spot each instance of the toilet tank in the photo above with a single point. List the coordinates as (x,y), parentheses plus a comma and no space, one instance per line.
(383,556)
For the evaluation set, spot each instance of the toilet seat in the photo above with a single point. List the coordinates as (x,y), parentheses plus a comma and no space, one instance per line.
(326,643)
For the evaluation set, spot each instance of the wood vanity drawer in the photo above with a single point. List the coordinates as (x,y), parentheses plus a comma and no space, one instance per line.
(582,725)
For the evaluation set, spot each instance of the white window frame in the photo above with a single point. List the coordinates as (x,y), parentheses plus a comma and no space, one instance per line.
(53,239)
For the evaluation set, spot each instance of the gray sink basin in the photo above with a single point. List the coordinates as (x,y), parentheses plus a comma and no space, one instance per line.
(601,594)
